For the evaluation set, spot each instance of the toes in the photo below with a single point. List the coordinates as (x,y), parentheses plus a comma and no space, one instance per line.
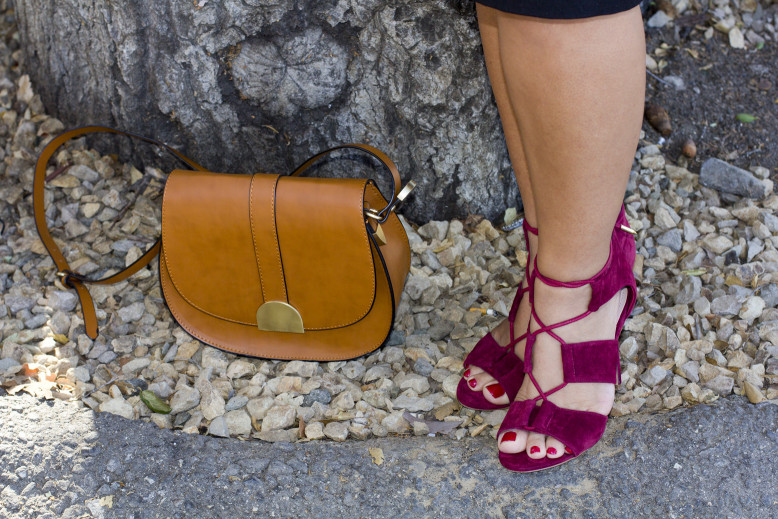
(495,394)
(536,445)
(479,381)
(511,442)
(471,371)
(554,447)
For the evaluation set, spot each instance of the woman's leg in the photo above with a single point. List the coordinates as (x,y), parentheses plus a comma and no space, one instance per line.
(576,88)
(487,23)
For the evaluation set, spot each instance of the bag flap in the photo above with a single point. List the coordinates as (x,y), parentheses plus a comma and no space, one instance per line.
(233,242)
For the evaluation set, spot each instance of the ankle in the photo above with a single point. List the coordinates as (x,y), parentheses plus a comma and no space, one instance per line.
(566,267)
(555,304)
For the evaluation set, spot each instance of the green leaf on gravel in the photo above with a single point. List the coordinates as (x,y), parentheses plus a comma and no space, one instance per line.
(694,272)
(760,45)
(153,402)
(745,118)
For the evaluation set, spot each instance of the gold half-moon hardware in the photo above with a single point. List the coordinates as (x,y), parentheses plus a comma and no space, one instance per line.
(277,316)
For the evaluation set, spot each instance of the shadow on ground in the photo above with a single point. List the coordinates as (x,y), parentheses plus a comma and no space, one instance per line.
(59,459)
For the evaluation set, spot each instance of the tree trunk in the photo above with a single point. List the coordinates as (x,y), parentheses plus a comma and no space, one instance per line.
(259,85)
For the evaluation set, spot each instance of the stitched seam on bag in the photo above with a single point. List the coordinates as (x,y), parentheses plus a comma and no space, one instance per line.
(399,225)
(254,238)
(185,325)
(275,237)
(361,315)
(395,221)
(170,271)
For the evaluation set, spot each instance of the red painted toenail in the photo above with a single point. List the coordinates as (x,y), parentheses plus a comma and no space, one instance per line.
(466,373)
(551,451)
(534,450)
(496,390)
(567,450)
(473,382)
(509,437)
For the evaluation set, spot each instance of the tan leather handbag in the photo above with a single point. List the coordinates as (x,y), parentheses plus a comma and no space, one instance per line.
(266,265)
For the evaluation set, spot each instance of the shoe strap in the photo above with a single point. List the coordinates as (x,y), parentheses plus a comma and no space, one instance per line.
(591,361)
(528,229)
(515,309)
(499,362)
(577,430)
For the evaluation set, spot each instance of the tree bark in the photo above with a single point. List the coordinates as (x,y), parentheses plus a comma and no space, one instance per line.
(259,85)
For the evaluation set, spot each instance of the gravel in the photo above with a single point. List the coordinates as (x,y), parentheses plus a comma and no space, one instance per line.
(705,324)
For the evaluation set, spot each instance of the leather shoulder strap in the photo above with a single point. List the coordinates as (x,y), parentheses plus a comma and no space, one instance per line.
(375,152)
(70,278)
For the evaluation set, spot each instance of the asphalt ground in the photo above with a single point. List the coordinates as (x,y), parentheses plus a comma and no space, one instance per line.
(61,460)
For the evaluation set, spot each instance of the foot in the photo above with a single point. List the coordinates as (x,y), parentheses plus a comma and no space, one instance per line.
(554,305)
(478,379)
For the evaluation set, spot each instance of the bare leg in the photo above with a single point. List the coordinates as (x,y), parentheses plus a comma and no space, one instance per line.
(487,23)
(576,88)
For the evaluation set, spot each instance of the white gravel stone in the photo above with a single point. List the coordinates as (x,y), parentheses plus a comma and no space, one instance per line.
(716,243)
(213,358)
(658,20)
(417,383)
(258,407)
(721,385)
(314,431)
(118,406)
(354,370)
(135,365)
(240,368)
(666,218)
(725,305)
(343,401)
(752,308)
(211,402)
(279,417)
(301,368)
(218,427)
(238,422)
(184,399)
(337,431)
(413,403)
(654,376)
(236,402)
(61,300)
(395,423)
(131,313)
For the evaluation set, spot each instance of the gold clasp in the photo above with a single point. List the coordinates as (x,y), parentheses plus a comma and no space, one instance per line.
(629,230)
(404,192)
(277,316)
(372,213)
(382,215)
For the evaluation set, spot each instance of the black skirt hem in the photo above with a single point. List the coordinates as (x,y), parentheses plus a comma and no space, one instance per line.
(561,9)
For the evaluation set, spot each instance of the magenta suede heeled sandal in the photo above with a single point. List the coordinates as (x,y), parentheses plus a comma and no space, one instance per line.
(500,362)
(582,362)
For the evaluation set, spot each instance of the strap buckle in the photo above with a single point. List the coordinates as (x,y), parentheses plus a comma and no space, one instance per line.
(372,213)
(64,276)
(382,215)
